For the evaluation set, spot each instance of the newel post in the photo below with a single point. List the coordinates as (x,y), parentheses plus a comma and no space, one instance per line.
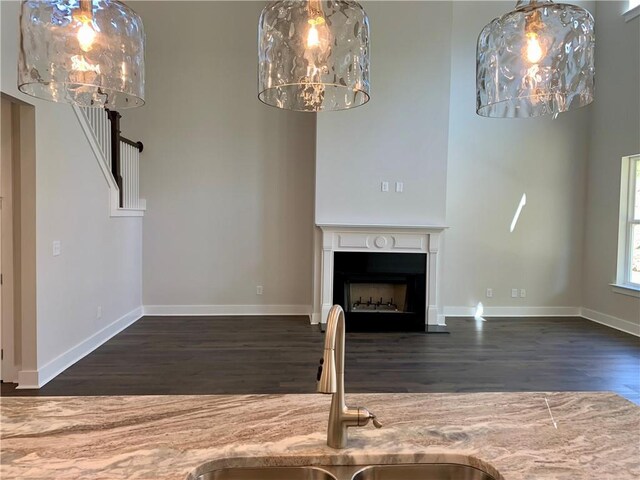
(114,118)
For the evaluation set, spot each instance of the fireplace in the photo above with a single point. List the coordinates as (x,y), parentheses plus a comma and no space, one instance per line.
(397,279)
(381,291)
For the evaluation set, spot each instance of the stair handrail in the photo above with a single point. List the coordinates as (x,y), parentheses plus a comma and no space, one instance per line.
(116,138)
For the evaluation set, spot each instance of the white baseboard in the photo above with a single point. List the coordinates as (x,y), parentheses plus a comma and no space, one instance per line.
(611,321)
(602,318)
(28,379)
(513,311)
(227,310)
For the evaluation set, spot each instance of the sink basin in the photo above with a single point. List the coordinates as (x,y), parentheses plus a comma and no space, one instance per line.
(268,473)
(427,471)
(423,471)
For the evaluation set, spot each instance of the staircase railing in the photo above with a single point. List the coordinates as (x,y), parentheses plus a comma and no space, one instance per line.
(120,155)
(130,169)
(98,120)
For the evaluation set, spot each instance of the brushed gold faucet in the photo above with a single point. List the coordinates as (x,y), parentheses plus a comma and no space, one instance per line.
(331,380)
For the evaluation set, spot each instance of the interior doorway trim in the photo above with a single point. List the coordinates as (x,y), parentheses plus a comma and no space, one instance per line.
(18,256)
(9,368)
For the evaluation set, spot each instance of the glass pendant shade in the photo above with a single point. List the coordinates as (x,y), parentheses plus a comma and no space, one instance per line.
(536,60)
(90,53)
(313,55)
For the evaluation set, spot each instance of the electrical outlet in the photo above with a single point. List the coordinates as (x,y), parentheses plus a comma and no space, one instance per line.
(57,248)
(384,186)
(514,293)
(99,313)
(489,292)
(259,290)
(523,293)
(399,187)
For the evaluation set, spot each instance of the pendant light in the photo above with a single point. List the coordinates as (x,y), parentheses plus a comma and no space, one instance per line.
(89,53)
(536,60)
(313,55)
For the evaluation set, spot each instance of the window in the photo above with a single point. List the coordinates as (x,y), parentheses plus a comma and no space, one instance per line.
(629,232)
(633,10)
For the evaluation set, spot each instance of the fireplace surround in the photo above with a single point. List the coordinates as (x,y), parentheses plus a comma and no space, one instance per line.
(378,239)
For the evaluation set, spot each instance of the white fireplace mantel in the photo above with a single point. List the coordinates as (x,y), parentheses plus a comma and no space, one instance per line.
(382,238)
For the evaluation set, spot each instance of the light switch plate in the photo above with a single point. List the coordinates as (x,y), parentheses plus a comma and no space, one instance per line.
(399,187)
(523,293)
(57,248)
(489,292)
(384,186)
(514,293)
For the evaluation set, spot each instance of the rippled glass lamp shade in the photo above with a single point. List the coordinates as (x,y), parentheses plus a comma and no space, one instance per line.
(536,60)
(313,55)
(90,53)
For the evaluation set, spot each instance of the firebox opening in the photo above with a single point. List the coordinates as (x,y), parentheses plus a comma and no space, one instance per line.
(381,291)
(377,297)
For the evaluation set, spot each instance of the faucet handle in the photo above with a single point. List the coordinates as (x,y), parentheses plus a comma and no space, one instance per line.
(365,415)
(375,421)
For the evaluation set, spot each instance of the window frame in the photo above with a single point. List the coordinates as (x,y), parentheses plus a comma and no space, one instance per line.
(626,225)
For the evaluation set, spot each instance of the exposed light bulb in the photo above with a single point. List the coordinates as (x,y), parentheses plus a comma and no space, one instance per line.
(86,36)
(534,49)
(313,37)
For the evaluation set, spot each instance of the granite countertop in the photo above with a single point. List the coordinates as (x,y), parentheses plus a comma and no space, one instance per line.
(510,435)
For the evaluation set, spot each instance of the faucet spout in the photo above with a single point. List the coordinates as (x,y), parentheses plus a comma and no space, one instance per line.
(332,362)
(331,381)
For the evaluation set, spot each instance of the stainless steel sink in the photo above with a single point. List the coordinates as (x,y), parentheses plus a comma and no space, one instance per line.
(268,473)
(423,471)
(427,471)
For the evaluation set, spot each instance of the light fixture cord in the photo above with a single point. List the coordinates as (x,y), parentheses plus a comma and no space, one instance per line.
(533,22)
(85,11)
(314,8)
(528,3)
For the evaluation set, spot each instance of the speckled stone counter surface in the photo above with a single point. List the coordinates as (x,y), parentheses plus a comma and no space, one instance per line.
(509,435)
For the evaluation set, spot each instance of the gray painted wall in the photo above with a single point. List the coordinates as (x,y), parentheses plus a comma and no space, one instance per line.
(614,133)
(401,134)
(492,163)
(228,181)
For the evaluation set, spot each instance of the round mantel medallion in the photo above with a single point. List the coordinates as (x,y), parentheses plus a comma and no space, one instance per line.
(380,241)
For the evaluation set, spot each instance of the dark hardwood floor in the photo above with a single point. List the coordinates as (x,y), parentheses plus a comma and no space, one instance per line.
(234,355)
